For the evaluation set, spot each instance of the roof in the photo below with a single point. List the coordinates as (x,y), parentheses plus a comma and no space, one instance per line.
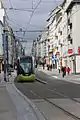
(72,4)
(63,3)
(54,11)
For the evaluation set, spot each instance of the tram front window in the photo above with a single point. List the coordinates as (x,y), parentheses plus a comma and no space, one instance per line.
(26,65)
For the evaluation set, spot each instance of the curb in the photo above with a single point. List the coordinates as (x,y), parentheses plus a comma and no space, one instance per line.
(36,111)
(67,80)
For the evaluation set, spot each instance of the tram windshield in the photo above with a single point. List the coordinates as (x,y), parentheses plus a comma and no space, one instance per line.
(26,64)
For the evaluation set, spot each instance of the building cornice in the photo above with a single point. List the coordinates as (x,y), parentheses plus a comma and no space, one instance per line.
(73,2)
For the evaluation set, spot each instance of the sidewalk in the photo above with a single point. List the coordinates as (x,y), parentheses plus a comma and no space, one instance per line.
(13,104)
(7,108)
(55,74)
(10,78)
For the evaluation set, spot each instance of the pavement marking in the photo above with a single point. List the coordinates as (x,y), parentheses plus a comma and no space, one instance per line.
(58,93)
(41,81)
(33,93)
(56,77)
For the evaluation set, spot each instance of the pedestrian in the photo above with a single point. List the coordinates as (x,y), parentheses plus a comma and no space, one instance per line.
(59,69)
(63,71)
(43,62)
(47,66)
(36,63)
(43,65)
(51,67)
(68,70)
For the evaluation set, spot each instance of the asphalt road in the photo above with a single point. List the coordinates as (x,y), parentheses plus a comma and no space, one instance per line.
(67,88)
(54,89)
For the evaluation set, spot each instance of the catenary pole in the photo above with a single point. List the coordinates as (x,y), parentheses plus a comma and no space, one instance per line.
(4,48)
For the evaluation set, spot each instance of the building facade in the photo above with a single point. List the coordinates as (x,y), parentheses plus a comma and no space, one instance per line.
(63,25)
(40,47)
(72,58)
(62,46)
(12,48)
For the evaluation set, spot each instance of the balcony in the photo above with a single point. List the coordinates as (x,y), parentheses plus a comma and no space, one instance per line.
(56,36)
(70,25)
(70,22)
(60,32)
(70,39)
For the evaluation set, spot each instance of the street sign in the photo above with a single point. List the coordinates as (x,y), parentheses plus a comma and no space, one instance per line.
(70,51)
(78,50)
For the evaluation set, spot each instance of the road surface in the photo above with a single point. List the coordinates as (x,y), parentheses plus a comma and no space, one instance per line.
(56,100)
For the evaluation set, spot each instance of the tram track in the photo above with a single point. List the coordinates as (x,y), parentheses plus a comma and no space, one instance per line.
(52,103)
(62,109)
(69,114)
(62,95)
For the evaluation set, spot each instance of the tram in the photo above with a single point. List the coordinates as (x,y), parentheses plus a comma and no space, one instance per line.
(25,69)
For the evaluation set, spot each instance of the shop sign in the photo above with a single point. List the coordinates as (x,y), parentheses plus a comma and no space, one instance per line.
(70,51)
(78,50)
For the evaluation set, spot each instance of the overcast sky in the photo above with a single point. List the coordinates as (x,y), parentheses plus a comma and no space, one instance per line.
(20,18)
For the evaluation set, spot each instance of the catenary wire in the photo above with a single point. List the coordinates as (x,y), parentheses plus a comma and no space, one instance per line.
(10,3)
(70,16)
(32,15)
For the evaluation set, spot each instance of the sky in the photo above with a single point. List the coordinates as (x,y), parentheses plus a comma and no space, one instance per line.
(22,17)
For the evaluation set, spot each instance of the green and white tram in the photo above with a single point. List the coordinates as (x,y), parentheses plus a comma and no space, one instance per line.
(25,68)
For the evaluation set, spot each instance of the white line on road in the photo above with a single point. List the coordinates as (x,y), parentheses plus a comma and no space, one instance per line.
(41,81)
(56,77)
(33,93)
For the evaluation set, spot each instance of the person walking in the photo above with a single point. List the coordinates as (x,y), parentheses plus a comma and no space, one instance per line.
(59,69)
(51,67)
(63,71)
(47,66)
(43,64)
(68,70)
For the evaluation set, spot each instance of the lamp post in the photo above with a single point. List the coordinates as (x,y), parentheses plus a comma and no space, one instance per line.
(4,48)
(61,45)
